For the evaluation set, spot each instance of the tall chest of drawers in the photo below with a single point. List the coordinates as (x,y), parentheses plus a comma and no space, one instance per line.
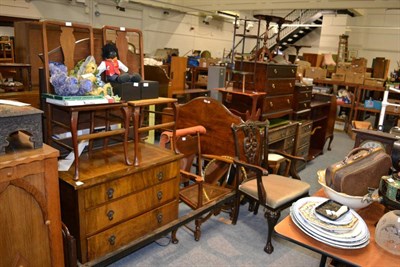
(113,204)
(276,80)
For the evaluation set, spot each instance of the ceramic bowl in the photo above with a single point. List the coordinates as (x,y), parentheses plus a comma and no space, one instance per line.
(354,202)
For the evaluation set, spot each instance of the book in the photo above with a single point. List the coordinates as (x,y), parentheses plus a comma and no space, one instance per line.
(67,102)
(82,97)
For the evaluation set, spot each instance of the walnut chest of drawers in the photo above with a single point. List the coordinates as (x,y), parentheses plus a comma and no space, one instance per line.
(113,204)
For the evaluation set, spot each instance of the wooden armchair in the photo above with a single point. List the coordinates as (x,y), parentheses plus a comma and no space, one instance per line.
(209,187)
(273,192)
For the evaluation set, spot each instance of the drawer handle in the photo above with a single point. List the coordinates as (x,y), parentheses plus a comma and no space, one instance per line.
(271,104)
(159,195)
(111,240)
(292,70)
(306,94)
(290,84)
(160,176)
(110,193)
(159,217)
(288,101)
(273,85)
(305,105)
(275,71)
(110,215)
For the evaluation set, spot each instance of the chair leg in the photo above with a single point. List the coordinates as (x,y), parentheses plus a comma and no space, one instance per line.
(236,209)
(173,236)
(197,230)
(272,218)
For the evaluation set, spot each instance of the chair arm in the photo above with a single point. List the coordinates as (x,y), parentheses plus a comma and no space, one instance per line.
(192,176)
(259,172)
(293,172)
(226,159)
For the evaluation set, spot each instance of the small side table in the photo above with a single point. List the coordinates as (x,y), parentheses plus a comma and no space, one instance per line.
(137,106)
(73,113)
(17,118)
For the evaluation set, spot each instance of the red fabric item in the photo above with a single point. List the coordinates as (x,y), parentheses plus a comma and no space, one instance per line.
(166,135)
(112,67)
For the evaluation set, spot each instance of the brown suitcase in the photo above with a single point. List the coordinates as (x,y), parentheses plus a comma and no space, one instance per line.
(362,168)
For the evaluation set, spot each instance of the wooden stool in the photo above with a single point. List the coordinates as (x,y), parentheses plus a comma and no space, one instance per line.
(275,161)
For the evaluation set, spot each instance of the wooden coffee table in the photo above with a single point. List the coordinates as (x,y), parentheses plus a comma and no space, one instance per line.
(371,255)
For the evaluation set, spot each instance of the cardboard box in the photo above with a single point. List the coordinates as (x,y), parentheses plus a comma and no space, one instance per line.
(202,79)
(343,67)
(374,82)
(338,77)
(354,77)
(315,73)
(359,65)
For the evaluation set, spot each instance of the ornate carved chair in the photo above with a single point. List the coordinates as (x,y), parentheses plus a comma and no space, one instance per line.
(274,192)
(210,187)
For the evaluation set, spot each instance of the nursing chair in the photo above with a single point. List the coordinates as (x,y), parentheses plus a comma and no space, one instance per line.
(209,186)
(272,191)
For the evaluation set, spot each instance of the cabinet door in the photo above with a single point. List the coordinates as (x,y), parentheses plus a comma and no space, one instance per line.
(30,219)
(25,235)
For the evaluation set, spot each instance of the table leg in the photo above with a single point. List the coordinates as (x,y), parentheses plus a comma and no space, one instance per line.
(125,113)
(322,261)
(74,135)
(136,126)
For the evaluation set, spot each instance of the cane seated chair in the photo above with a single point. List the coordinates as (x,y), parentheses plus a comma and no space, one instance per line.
(210,185)
(272,191)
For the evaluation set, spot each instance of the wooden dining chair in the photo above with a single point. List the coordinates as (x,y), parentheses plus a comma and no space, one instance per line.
(272,191)
(210,183)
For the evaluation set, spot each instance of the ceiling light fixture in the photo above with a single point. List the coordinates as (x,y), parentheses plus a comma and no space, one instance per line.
(207,19)
(228,14)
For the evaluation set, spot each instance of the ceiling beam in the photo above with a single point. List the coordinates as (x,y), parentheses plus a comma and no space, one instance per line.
(235,5)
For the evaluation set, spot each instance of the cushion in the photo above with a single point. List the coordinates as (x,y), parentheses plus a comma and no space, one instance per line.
(280,189)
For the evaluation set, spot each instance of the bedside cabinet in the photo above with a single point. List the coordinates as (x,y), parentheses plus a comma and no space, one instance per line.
(30,218)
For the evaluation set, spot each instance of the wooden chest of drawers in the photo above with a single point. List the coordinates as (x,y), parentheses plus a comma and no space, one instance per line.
(277,81)
(30,219)
(114,204)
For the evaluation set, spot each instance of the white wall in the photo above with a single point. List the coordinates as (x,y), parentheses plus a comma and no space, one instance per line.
(187,32)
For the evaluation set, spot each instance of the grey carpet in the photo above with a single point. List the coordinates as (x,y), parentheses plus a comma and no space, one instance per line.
(223,244)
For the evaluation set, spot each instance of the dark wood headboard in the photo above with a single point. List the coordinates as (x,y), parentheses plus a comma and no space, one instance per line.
(217,120)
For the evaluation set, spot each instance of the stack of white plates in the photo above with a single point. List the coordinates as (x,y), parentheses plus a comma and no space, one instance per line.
(348,232)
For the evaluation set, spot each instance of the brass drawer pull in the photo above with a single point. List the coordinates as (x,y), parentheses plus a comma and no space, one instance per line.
(160,176)
(292,70)
(273,85)
(159,195)
(275,71)
(110,215)
(110,193)
(288,101)
(111,240)
(305,105)
(159,217)
(290,84)
(307,95)
(271,104)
